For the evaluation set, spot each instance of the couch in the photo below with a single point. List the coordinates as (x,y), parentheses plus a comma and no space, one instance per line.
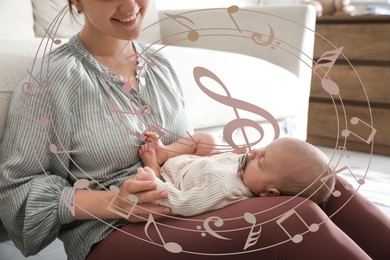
(261,54)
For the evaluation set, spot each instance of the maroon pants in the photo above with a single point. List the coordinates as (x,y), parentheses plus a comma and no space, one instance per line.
(349,227)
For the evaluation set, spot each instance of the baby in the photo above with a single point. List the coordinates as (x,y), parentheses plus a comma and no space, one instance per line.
(197,183)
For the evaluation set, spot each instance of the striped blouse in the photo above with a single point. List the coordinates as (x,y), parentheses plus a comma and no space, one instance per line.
(74,119)
(199,184)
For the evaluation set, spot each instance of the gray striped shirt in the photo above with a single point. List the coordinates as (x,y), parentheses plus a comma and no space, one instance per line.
(76,120)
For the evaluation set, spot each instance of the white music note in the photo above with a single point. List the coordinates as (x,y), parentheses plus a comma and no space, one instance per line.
(253,235)
(119,211)
(218,222)
(170,246)
(297,238)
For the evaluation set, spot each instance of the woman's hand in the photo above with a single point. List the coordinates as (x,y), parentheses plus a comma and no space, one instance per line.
(142,189)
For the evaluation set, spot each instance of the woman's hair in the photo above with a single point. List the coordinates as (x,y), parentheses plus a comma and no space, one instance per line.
(309,174)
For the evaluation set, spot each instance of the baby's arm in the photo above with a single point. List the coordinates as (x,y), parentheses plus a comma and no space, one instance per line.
(198,144)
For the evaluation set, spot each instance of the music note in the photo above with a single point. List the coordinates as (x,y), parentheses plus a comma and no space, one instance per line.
(79,184)
(56,41)
(253,235)
(327,61)
(170,246)
(54,149)
(43,121)
(335,193)
(133,200)
(297,238)
(258,38)
(26,90)
(231,10)
(192,35)
(41,83)
(355,121)
(218,222)
(238,123)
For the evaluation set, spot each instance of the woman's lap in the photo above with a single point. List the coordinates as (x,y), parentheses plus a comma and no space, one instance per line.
(280,218)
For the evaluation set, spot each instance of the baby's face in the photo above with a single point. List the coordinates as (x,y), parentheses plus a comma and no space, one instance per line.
(263,167)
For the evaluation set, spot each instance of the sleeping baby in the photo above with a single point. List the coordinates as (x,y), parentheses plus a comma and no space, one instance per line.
(197,180)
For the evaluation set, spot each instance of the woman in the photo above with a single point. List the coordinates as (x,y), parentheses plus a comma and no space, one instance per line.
(86,124)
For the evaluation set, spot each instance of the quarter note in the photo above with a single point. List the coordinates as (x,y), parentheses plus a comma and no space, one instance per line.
(297,238)
(253,235)
(355,121)
(232,10)
(133,200)
(170,246)
(56,41)
(192,35)
(79,184)
(327,61)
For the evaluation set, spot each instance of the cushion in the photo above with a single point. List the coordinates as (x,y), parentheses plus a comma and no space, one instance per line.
(16,18)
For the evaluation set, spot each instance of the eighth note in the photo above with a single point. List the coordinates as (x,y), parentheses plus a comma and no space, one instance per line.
(118,211)
(327,61)
(355,121)
(298,237)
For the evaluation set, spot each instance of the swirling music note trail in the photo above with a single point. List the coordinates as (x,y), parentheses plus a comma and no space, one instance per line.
(236,104)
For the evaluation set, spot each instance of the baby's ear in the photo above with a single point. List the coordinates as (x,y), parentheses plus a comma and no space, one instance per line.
(270,192)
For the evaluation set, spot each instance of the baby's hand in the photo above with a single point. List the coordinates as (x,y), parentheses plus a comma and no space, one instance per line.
(145,174)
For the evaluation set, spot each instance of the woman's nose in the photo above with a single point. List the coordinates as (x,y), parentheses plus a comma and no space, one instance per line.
(128,6)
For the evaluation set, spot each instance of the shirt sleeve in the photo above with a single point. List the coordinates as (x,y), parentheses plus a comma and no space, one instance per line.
(198,199)
(33,170)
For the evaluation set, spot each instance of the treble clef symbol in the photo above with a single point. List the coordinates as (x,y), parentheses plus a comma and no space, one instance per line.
(236,104)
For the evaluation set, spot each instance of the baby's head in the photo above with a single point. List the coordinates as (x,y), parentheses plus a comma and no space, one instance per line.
(288,166)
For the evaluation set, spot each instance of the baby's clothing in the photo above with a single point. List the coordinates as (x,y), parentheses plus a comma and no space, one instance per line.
(198,184)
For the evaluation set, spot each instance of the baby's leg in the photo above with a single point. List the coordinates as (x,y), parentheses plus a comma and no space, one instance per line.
(148,157)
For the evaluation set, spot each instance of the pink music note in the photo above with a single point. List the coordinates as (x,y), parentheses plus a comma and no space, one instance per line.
(258,38)
(133,200)
(238,123)
(232,10)
(327,61)
(297,238)
(54,149)
(26,90)
(192,35)
(253,235)
(170,246)
(56,41)
(324,179)
(43,121)
(355,121)
(79,184)
(41,83)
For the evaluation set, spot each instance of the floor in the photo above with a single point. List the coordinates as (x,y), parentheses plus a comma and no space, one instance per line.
(376,188)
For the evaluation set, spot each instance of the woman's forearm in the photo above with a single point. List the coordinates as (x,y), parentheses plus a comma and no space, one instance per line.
(91,204)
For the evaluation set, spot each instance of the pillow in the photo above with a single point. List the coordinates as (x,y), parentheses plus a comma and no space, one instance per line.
(45,12)
(19,14)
